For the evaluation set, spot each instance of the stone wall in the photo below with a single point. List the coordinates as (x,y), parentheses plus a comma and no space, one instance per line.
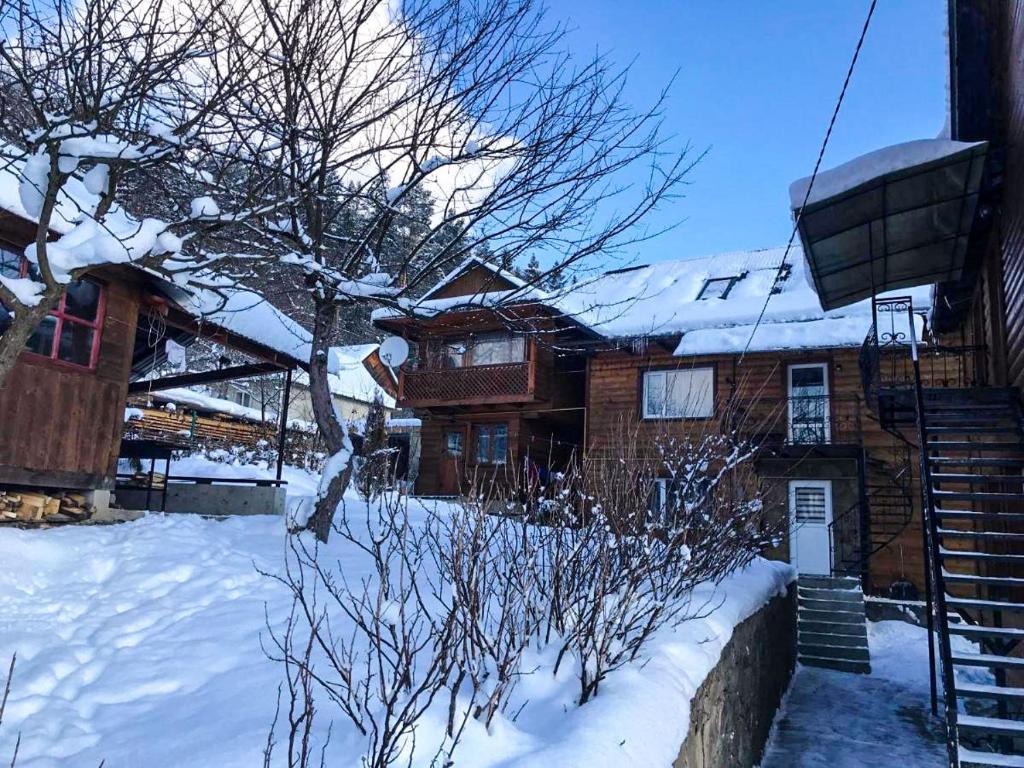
(732,713)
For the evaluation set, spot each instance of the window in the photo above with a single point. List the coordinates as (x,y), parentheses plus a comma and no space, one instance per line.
(683,394)
(71,333)
(718,287)
(494,348)
(242,398)
(491,443)
(446,354)
(453,443)
(809,404)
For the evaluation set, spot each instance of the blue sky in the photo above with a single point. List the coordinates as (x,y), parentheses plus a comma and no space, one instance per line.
(757,81)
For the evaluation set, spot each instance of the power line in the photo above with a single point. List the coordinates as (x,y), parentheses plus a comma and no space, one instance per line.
(814,175)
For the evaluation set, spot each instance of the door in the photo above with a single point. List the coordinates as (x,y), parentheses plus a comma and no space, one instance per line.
(810,515)
(808,402)
(453,449)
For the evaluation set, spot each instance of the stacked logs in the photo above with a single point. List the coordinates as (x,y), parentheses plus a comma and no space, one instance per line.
(37,507)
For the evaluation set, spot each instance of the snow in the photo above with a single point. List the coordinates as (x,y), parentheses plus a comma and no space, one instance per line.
(204,207)
(663,299)
(865,168)
(140,644)
(349,377)
(27,291)
(405,422)
(204,402)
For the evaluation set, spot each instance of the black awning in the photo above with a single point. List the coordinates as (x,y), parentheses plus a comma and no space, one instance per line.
(895,218)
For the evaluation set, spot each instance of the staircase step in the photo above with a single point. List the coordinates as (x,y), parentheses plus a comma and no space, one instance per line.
(829,582)
(990,581)
(965,429)
(975,462)
(981,691)
(987,660)
(978,631)
(835,595)
(970,758)
(831,617)
(859,631)
(941,496)
(988,557)
(993,725)
(985,605)
(833,606)
(970,514)
(961,445)
(842,653)
(974,477)
(981,535)
(840,665)
(841,641)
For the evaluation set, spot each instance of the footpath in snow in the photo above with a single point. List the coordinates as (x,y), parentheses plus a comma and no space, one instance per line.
(140,644)
(840,720)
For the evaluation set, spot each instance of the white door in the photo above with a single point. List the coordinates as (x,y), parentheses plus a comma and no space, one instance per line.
(810,514)
(808,402)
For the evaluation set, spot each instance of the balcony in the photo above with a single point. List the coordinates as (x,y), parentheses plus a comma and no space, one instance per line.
(801,422)
(470,385)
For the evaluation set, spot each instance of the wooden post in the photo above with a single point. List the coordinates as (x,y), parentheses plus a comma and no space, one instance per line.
(282,429)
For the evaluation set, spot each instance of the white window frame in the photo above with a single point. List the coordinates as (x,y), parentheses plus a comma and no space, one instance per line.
(706,401)
(827,398)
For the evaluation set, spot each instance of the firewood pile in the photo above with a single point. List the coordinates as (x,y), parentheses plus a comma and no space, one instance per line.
(141,480)
(36,507)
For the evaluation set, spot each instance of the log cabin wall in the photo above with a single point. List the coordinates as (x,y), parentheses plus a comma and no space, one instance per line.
(759,386)
(60,426)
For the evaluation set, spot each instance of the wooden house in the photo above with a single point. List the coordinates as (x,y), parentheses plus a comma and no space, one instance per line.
(357,376)
(507,377)
(62,408)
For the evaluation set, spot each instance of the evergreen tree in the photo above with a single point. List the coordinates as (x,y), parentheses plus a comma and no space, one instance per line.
(375,470)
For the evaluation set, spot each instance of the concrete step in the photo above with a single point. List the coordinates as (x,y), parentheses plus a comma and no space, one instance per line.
(859,631)
(840,665)
(831,617)
(825,638)
(833,652)
(834,595)
(839,606)
(829,582)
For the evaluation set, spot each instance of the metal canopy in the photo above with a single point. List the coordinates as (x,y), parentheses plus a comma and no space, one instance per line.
(896,218)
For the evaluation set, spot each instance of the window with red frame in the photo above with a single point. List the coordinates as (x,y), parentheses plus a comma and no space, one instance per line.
(71,333)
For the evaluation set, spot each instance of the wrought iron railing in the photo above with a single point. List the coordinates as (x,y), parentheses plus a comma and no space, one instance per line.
(803,420)
(503,382)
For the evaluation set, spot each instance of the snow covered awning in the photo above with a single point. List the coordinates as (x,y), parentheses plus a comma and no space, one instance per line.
(894,218)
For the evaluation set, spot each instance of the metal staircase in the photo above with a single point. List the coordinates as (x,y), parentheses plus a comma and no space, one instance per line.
(974,461)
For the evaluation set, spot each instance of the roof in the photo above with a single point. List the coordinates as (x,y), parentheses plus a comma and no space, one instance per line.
(201,401)
(235,309)
(349,377)
(665,299)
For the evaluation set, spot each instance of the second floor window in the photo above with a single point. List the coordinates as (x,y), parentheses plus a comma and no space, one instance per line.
(491,443)
(679,394)
(485,349)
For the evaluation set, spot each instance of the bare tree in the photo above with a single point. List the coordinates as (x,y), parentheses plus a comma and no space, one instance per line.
(356,106)
(107,109)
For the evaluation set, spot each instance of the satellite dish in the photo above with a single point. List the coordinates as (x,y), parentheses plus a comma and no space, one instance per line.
(394,351)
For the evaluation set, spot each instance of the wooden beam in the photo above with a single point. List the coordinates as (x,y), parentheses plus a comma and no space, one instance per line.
(206,377)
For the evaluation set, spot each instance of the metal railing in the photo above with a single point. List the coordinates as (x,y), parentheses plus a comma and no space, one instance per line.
(802,420)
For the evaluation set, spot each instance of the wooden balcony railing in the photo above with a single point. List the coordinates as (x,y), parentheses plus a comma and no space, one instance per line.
(473,385)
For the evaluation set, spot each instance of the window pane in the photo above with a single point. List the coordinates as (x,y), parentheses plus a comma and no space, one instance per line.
(654,394)
(83,300)
(689,394)
(41,340)
(10,263)
(496,349)
(500,443)
(75,343)
(483,445)
(453,442)
(808,381)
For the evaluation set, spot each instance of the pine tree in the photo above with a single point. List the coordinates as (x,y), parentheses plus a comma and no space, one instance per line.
(532,272)
(375,471)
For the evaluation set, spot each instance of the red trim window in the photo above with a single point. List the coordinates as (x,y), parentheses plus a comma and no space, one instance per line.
(70,335)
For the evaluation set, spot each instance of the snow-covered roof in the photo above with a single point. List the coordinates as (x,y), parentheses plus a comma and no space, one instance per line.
(861,170)
(247,314)
(349,377)
(204,402)
(668,298)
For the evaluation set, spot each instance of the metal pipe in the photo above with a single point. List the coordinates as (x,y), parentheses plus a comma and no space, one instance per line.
(282,429)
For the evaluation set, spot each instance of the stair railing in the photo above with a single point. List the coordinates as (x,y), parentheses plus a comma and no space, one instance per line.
(937,602)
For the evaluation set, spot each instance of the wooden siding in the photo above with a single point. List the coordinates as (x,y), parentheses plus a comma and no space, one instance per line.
(473,281)
(61,426)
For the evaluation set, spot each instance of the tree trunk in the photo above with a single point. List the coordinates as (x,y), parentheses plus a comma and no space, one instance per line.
(333,431)
(13,340)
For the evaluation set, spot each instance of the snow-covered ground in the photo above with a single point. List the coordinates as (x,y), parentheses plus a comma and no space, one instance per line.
(140,644)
